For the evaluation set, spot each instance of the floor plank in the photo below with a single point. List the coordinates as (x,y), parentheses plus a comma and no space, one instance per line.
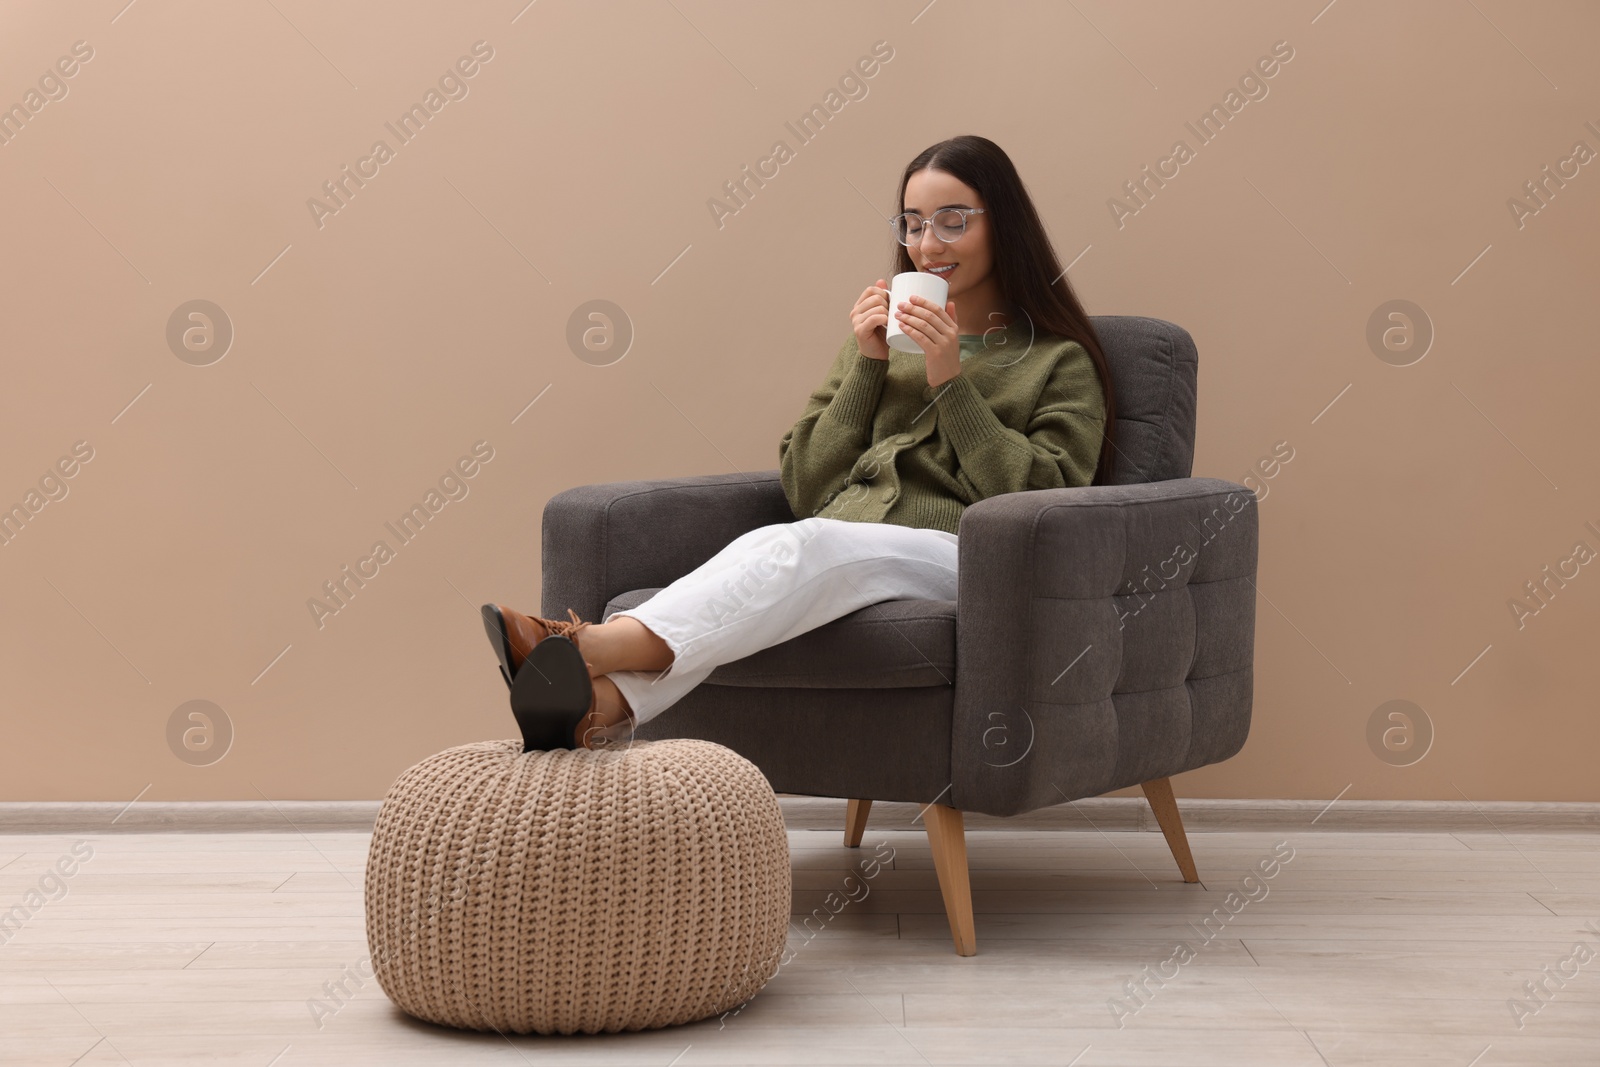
(1363,949)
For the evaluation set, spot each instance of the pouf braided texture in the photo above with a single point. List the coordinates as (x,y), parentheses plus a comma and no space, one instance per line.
(577,891)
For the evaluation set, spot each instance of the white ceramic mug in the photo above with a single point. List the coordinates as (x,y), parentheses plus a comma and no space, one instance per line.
(930,287)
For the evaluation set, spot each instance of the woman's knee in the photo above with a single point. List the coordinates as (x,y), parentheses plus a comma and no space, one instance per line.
(787,539)
(798,531)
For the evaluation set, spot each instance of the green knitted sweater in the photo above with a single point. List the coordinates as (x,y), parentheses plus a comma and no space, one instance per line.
(877,444)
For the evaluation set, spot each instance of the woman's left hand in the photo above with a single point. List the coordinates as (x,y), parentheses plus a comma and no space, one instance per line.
(935,329)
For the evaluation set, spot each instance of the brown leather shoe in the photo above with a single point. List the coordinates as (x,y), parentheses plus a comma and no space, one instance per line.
(553,694)
(514,634)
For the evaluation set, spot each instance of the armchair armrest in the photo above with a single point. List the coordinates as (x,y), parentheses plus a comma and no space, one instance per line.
(1104,638)
(605,539)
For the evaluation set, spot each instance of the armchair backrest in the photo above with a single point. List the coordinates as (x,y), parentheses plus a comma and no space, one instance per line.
(1153,369)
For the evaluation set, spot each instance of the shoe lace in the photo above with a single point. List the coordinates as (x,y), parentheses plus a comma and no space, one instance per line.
(564,627)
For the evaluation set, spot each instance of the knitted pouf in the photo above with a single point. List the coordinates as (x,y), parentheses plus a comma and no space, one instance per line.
(577,891)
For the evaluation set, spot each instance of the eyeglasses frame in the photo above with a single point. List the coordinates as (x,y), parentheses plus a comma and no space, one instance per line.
(962,211)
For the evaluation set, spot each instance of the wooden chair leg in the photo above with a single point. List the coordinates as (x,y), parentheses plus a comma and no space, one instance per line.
(1159,792)
(855,822)
(948,839)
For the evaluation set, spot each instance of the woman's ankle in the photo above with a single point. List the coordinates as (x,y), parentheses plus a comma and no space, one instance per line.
(622,644)
(611,722)
(585,644)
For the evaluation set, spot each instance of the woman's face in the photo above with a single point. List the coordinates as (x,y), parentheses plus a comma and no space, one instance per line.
(927,191)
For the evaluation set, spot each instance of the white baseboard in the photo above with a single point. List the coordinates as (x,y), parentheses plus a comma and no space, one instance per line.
(1213,816)
(819,813)
(191,816)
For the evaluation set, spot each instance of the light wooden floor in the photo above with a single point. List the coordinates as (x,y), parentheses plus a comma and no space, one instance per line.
(1368,948)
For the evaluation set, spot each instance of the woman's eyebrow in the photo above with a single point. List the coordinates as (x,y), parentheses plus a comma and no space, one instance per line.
(941,207)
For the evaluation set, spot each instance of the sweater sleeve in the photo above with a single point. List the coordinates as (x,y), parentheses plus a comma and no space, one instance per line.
(818,452)
(1061,447)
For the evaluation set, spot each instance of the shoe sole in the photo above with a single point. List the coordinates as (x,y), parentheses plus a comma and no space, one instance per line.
(551,694)
(494,623)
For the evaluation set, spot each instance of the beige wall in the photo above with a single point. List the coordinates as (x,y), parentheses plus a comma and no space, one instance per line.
(374,346)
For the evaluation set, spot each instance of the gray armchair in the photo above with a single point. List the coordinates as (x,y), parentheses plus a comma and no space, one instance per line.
(1102,637)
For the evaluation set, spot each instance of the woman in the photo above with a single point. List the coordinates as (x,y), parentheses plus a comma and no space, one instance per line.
(888,453)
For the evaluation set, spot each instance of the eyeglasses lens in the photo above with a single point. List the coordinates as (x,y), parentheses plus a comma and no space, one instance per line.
(947,226)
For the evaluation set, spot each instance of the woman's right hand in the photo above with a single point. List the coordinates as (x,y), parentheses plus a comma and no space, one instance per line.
(869,318)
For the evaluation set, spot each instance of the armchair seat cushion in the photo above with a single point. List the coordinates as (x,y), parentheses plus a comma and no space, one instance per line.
(888,645)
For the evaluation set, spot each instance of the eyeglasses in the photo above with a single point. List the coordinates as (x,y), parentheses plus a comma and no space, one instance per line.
(948,224)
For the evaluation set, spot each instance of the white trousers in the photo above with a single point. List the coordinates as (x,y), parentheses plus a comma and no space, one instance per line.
(776,582)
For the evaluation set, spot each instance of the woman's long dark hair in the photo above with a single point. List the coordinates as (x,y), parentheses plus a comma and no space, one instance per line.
(1024,262)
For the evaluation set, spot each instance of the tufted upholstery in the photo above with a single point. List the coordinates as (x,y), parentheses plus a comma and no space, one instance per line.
(1113,628)
(1101,637)
(1153,365)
